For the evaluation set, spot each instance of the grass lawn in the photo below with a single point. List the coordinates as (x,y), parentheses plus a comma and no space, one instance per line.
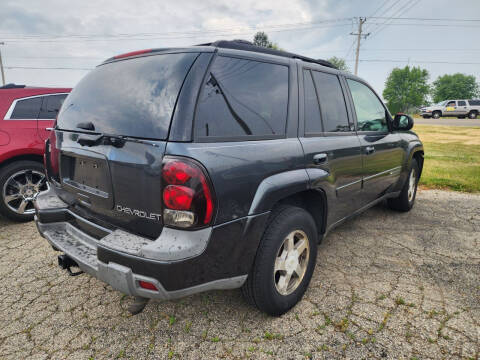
(452,157)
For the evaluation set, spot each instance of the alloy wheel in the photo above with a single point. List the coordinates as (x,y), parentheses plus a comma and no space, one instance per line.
(21,189)
(291,262)
(412,182)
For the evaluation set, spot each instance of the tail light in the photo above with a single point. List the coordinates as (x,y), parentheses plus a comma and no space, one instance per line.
(187,194)
(51,158)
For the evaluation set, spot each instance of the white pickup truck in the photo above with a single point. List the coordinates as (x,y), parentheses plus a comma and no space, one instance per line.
(455,108)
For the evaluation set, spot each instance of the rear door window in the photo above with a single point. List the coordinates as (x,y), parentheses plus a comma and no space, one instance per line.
(462,103)
(243,98)
(133,97)
(332,102)
(51,106)
(27,109)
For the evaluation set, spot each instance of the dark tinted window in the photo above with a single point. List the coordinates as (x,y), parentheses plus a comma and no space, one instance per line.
(332,102)
(462,103)
(474,102)
(243,98)
(27,109)
(313,123)
(133,97)
(51,106)
(371,115)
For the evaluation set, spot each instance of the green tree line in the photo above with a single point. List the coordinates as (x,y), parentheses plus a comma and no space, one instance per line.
(407,88)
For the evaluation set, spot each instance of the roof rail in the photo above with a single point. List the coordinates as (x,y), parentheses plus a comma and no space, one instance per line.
(12,86)
(248,46)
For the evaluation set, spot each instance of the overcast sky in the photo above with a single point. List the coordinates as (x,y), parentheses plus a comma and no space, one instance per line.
(71,36)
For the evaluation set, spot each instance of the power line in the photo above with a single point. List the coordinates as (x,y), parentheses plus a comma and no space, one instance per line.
(418,61)
(194,33)
(381,6)
(168,38)
(386,11)
(400,11)
(45,68)
(88,58)
(424,19)
(428,25)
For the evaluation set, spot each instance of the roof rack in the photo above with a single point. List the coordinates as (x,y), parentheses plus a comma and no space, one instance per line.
(248,46)
(12,86)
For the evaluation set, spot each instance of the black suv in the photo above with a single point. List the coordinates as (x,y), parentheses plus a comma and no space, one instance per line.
(218,166)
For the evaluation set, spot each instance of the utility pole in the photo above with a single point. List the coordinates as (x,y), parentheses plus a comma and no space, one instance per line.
(1,64)
(359,36)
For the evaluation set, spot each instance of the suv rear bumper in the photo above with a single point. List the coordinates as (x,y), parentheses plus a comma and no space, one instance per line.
(178,263)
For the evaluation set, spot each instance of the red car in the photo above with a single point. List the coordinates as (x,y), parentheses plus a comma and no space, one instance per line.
(25,115)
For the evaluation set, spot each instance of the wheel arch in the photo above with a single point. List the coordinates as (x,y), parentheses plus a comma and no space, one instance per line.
(31,157)
(291,188)
(418,154)
(314,201)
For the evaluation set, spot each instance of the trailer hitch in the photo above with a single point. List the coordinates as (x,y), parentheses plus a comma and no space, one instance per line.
(66,263)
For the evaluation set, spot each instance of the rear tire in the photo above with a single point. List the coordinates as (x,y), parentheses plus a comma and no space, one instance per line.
(405,201)
(284,262)
(472,115)
(20,183)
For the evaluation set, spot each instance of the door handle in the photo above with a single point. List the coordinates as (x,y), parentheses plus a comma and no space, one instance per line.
(320,158)
(369,150)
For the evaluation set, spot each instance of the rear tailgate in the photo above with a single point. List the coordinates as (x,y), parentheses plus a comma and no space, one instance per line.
(111,186)
(110,140)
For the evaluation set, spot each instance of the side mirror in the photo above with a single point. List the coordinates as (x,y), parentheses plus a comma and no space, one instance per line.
(402,122)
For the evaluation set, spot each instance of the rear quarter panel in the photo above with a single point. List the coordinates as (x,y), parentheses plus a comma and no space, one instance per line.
(237,168)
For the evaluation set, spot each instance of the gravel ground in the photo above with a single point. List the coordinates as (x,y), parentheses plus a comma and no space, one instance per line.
(387,285)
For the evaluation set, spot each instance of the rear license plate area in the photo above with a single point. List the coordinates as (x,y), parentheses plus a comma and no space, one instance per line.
(88,177)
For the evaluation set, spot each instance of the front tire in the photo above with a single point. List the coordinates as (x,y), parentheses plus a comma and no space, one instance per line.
(405,201)
(284,262)
(436,114)
(20,183)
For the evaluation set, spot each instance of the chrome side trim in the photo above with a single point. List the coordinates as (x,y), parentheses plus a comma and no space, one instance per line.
(349,184)
(394,171)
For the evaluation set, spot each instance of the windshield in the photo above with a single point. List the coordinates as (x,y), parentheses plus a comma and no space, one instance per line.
(134,97)
(441,103)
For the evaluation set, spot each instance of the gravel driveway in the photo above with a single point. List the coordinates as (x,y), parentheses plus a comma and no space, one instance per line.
(387,285)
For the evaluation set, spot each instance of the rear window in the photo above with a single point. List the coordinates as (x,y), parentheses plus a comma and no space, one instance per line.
(332,102)
(51,106)
(243,98)
(134,97)
(27,109)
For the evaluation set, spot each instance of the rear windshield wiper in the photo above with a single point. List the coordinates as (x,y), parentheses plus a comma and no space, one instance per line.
(86,126)
(113,140)
(101,139)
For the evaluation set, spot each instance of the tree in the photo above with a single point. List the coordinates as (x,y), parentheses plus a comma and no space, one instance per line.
(406,88)
(456,86)
(261,39)
(339,63)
